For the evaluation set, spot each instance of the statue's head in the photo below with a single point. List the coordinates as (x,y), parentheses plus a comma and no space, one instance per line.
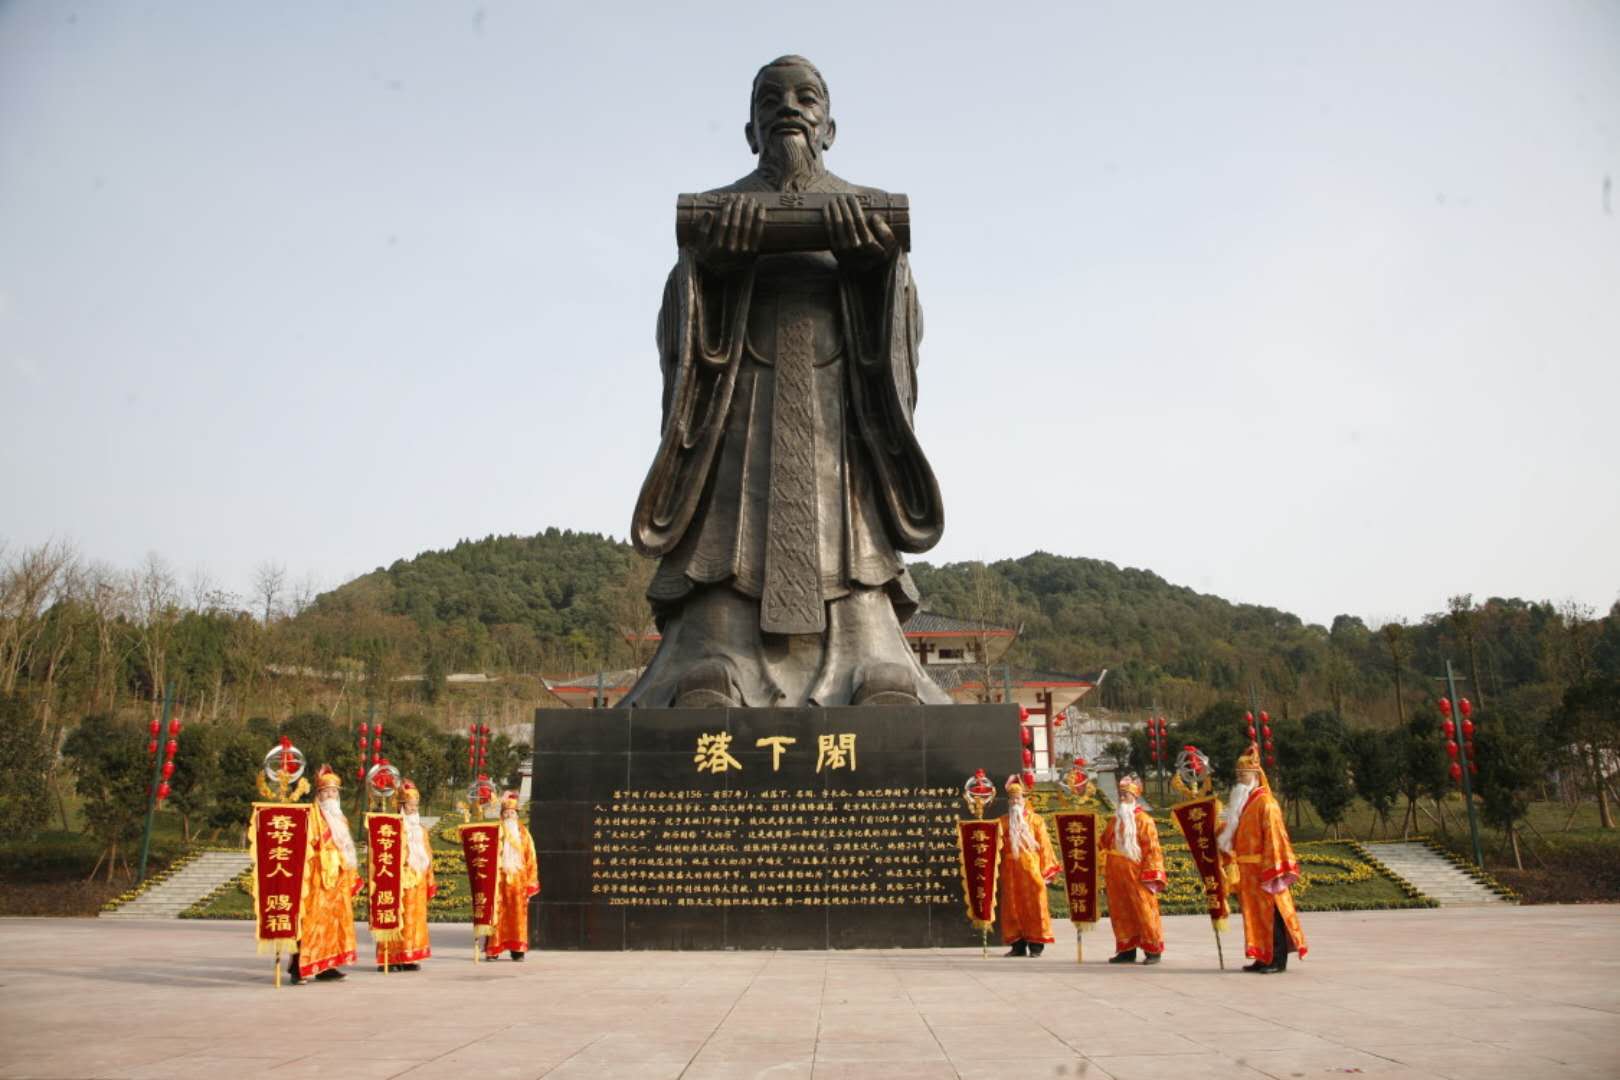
(790,124)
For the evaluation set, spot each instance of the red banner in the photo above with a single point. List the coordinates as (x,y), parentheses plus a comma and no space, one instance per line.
(1077,843)
(385,851)
(280,838)
(980,845)
(1200,822)
(480,845)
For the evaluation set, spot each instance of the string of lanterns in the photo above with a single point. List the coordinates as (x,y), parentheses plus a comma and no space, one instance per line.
(370,746)
(1448,728)
(154,730)
(1267,744)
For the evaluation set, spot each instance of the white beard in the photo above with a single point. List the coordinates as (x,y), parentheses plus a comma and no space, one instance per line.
(332,811)
(1023,835)
(1125,831)
(1237,800)
(511,847)
(416,843)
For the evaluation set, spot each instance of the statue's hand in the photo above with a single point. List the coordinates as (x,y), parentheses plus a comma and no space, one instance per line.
(857,238)
(729,236)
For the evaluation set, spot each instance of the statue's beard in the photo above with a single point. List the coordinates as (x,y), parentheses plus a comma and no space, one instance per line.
(790,160)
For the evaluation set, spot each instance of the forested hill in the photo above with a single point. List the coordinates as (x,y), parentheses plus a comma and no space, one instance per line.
(564,601)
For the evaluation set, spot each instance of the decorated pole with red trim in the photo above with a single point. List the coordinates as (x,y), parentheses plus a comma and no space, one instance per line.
(152,795)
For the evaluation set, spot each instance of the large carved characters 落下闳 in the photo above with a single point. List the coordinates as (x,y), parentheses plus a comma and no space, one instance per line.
(788,479)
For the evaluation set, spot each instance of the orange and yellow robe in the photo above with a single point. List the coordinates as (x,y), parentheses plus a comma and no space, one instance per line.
(510,932)
(1265,862)
(1025,915)
(1133,887)
(326,928)
(415,892)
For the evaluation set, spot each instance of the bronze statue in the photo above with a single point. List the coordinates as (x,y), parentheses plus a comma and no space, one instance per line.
(788,479)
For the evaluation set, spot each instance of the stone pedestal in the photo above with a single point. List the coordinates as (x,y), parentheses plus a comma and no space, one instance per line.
(757,828)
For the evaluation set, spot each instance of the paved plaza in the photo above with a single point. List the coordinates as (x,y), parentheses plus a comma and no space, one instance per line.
(1468,993)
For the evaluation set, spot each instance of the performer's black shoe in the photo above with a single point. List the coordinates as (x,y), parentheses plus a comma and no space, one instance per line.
(1036,948)
(1256,967)
(1126,957)
(1019,948)
(331,975)
(1150,958)
(292,969)
(517,955)
(410,967)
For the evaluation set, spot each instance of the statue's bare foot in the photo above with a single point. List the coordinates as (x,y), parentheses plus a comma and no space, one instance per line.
(886,684)
(708,685)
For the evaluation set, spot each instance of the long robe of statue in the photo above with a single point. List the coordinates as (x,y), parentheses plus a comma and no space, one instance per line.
(788,479)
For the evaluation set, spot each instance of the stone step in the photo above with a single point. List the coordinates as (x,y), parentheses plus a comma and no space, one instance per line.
(193,881)
(1432,875)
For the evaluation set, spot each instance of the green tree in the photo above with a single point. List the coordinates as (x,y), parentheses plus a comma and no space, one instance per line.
(1586,728)
(24,761)
(1510,764)
(1377,764)
(240,757)
(1325,780)
(196,774)
(114,773)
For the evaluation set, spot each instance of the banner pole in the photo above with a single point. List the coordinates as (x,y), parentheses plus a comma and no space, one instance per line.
(278,967)
(1220,954)
(984,943)
(1079,946)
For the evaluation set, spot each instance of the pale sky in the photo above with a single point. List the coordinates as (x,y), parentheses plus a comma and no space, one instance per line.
(1315,306)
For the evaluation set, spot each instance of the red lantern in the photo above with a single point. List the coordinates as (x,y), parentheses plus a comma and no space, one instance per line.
(1029,780)
(163,792)
(1029,759)
(1468,727)
(151,748)
(1473,770)
(1028,736)
(1265,717)
(1271,759)
(1265,730)
(1270,746)
(1445,706)
(1023,714)
(1251,734)
(376,759)
(1467,708)
(1451,749)
(1456,771)
(359,774)
(170,747)
(1448,728)
(364,727)
(168,769)
(978,774)
(153,727)
(174,726)
(1248,718)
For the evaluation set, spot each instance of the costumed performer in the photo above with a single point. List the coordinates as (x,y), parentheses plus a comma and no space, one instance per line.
(331,880)
(1027,864)
(518,879)
(417,887)
(1254,835)
(1133,876)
